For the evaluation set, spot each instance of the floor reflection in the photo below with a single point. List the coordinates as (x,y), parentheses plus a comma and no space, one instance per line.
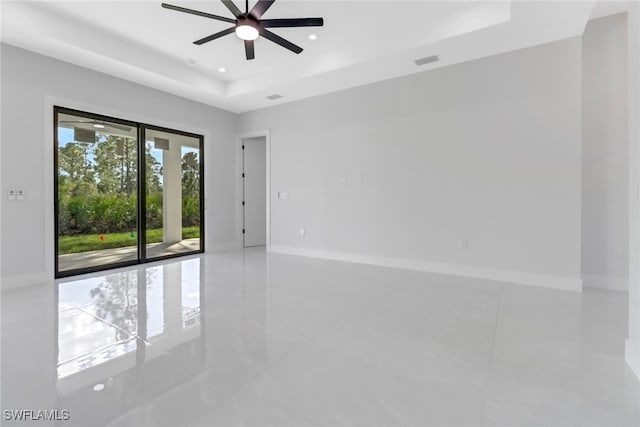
(293,341)
(126,337)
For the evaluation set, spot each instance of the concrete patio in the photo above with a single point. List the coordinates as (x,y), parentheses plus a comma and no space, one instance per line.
(127,253)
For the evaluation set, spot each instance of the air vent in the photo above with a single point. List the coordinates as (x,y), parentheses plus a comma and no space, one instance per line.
(427,60)
(274,97)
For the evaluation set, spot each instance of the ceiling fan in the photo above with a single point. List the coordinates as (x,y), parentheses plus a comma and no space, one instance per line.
(99,124)
(248,25)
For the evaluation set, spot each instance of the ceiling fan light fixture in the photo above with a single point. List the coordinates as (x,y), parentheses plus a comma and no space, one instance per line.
(247,31)
(249,25)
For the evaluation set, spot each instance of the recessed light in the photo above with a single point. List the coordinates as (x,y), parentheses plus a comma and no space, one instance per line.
(313,37)
(98,387)
(98,126)
(274,97)
(191,61)
(222,70)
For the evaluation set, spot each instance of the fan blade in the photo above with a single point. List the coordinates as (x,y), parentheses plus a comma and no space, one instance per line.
(249,49)
(215,36)
(293,22)
(279,40)
(232,7)
(115,126)
(261,7)
(107,124)
(198,13)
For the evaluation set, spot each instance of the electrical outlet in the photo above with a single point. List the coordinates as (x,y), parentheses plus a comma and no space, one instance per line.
(464,244)
(20,194)
(11,195)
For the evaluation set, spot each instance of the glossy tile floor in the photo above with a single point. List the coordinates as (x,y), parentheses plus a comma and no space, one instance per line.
(249,338)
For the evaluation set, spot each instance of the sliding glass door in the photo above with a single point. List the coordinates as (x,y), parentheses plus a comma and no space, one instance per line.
(173,212)
(114,178)
(97,191)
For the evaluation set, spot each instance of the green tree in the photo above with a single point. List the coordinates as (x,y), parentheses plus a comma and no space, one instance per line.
(190,175)
(153,171)
(108,167)
(70,161)
(75,165)
(116,165)
(190,189)
(127,150)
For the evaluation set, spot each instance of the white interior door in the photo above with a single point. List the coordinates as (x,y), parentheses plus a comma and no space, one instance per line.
(255,191)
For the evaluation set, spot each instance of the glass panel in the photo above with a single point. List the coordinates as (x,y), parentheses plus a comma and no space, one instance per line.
(97,192)
(172,193)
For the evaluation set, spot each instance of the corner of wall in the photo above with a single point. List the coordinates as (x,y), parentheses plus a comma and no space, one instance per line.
(609,283)
(632,350)
(632,356)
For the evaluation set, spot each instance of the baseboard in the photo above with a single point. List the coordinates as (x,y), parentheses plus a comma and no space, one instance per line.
(23,280)
(518,277)
(221,247)
(632,356)
(605,282)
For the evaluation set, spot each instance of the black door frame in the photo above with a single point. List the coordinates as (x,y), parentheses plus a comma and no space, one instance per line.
(141,192)
(142,249)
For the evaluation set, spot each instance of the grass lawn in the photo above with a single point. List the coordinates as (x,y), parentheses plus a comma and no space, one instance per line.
(92,242)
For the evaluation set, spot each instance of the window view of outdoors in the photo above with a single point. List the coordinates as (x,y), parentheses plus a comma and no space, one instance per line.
(97,192)
(97,180)
(173,193)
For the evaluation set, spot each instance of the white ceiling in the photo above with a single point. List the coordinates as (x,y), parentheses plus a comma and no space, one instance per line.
(361,42)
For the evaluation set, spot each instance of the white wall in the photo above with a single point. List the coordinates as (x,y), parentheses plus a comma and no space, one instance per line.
(604,153)
(633,343)
(31,83)
(408,172)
